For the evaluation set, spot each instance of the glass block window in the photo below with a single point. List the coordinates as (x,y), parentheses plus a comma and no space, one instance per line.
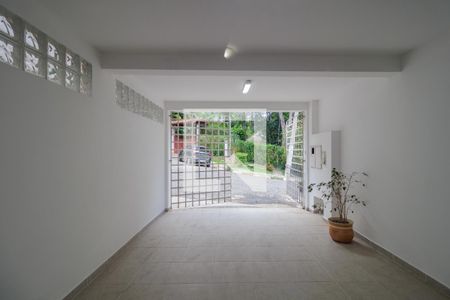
(34,39)
(10,25)
(10,52)
(72,80)
(55,72)
(129,99)
(34,63)
(25,47)
(72,61)
(85,85)
(85,77)
(55,51)
(85,68)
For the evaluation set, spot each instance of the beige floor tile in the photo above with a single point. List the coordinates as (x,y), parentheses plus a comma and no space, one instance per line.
(100,292)
(233,291)
(143,292)
(152,273)
(272,291)
(227,253)
(250,253)
(347,271)
(311,271)
(413,290)
(175,240)
(168,254)
(290,253)
(135,254)
(189,272)
(320,290)
(300,290)
(199,254)
(119,273)
(367,291)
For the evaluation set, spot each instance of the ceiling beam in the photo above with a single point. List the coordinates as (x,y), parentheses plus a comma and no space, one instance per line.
(254,62)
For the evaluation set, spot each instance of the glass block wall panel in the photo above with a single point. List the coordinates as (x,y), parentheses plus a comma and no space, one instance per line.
(10,52)
(72,80)
(159,114)
(145,108)
(125,96)
(10,24)
(85,85)
(55,72)
(118,93)
(55,51)
(129,99)
(35,39)
(34,63)
(24,46)
(72,61)
(85,68)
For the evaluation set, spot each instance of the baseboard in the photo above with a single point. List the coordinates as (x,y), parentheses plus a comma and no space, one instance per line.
(86,282)
(442,288)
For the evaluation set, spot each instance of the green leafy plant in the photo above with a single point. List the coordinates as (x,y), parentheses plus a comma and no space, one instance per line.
(339,190)
(242,157)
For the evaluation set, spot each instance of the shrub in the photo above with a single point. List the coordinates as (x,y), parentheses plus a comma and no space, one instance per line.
(275,155)
(242,157)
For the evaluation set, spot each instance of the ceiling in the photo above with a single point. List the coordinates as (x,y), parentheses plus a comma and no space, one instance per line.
(256,26)
(277,28)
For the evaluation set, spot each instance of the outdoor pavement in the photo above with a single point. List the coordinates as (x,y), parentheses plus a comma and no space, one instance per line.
(254,189)
(247,188)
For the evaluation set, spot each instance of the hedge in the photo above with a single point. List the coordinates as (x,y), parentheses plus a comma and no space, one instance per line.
(275,155)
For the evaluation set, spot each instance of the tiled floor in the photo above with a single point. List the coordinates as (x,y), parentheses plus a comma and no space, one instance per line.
(250,253)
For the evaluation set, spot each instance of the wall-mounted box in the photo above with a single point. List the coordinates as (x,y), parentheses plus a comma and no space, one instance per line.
(316,157)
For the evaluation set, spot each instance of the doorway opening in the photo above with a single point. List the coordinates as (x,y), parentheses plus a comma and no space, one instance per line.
(245,158)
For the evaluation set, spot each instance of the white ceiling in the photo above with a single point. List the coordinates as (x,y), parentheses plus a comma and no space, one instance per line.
(270,27)
(263,26)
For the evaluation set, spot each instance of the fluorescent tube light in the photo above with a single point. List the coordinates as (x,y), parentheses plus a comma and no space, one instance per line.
(247,86)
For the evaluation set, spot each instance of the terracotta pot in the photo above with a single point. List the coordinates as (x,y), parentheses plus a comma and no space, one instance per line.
(340,232)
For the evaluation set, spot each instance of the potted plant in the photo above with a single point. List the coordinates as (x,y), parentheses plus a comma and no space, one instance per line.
(318,208)
(339,191)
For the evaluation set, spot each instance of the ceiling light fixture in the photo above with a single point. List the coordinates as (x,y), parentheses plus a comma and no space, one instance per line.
(229,52)
(247,86)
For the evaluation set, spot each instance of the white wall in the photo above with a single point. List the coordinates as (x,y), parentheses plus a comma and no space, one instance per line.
(398,130)
(78,175)
(330,143)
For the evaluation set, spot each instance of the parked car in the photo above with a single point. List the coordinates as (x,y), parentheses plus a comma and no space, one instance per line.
(199,155)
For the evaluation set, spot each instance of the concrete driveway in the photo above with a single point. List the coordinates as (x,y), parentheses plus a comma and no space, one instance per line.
(259,190)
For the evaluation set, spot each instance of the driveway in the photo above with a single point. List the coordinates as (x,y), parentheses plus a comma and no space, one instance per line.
(246,188)
(259,190)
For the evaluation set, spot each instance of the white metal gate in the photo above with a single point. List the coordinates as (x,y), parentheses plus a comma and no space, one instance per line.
(200,144)
(295,156)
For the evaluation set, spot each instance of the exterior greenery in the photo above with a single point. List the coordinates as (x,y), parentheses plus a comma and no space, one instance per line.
(242,133)
(275,155)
